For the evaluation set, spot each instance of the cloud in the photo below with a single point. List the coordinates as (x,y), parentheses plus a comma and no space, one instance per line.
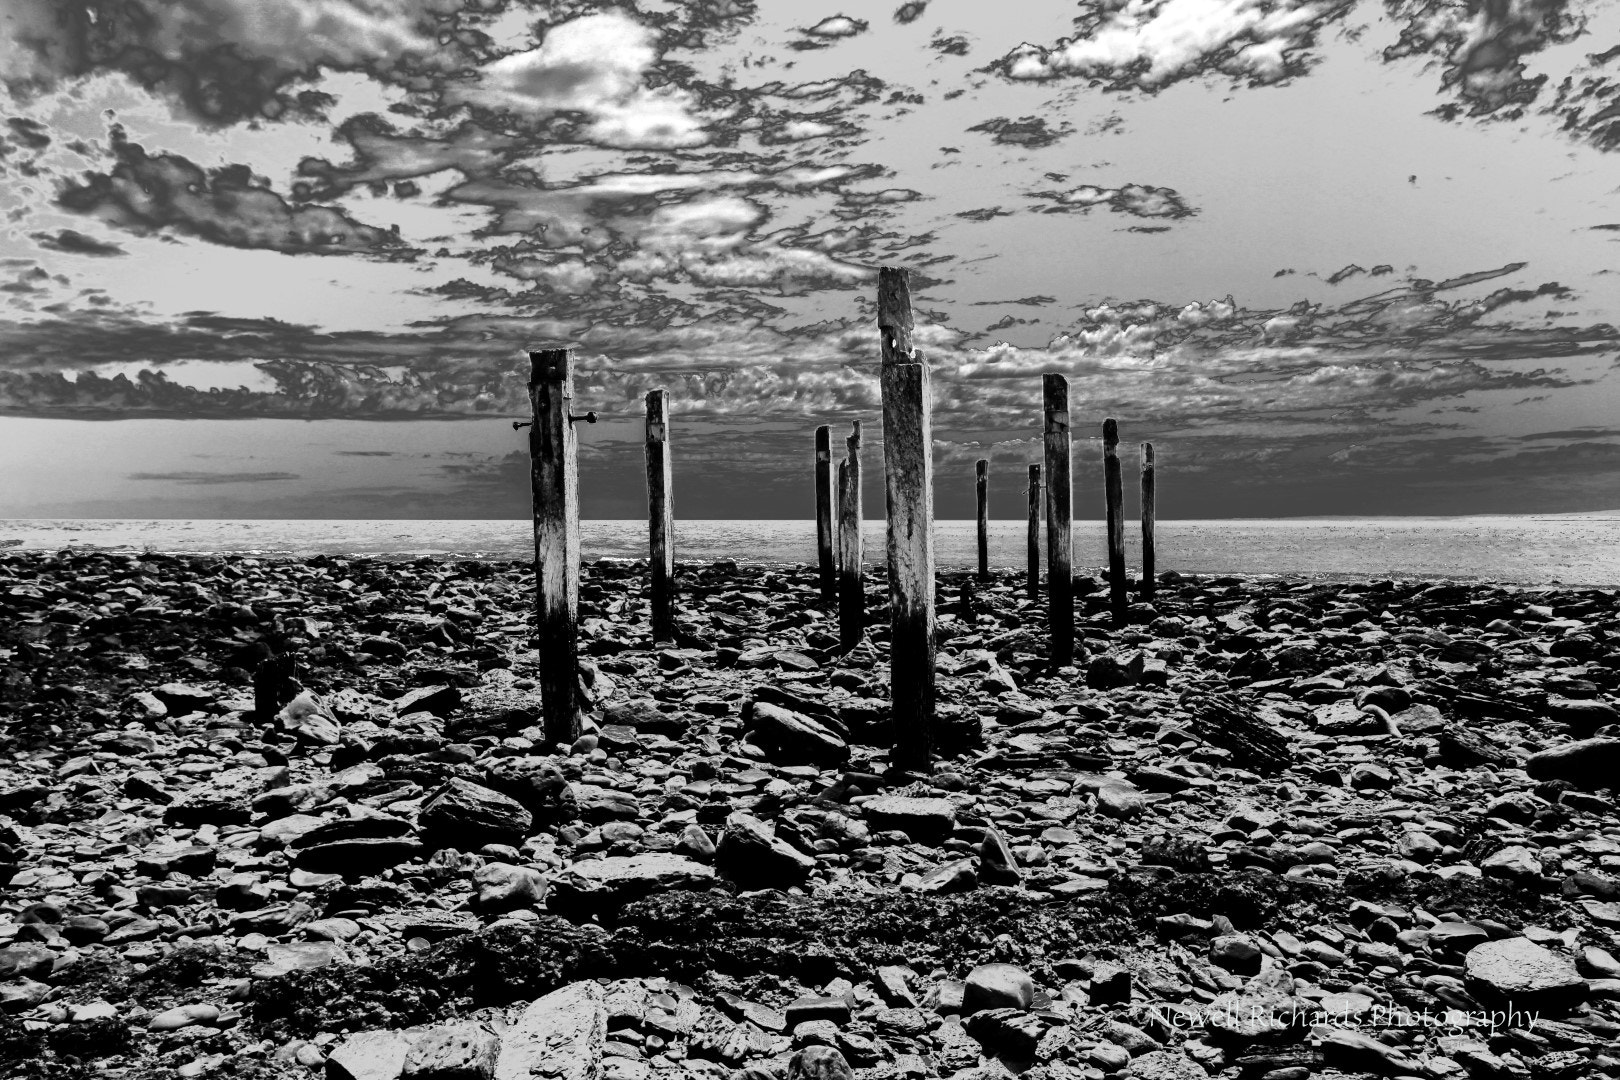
(214,478)
(1137,200)
(593,65)
(1149,44)
(229,206)
(76,243)
(1028,131)
(1483,46)
(223,60)
(837,26)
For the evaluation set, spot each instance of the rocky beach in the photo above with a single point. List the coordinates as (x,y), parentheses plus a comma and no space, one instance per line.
(1269,829)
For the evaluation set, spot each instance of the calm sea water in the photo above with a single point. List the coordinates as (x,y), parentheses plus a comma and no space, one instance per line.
(1572,549)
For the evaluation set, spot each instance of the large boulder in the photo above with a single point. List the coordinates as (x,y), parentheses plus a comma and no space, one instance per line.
(1523,975)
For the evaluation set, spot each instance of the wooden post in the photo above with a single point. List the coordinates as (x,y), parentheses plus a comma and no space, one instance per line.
(1034,539)
(981,471)
(1059,531)
(1148,514)
(660,516)
(554,475)
(1114,494)
(909,484)
(824,515)
(272,686)
(851,588)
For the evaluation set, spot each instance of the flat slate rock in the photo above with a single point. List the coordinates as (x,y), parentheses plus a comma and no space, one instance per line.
(924,819)
(1518,970)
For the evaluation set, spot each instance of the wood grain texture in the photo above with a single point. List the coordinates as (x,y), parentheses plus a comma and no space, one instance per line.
(909,496)
(1032,542)
(554,478)
(660,516)
(826,557)
(851,582)
(981,493)
(1114,497)
(1149,514)
(1059,527)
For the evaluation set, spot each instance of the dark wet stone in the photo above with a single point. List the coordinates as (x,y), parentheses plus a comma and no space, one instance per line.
(465,815)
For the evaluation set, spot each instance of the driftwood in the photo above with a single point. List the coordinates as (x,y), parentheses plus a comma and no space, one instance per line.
(1226,720)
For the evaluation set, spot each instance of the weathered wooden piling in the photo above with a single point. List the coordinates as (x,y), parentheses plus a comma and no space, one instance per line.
(1114,496)
(660,516)
(981,472)
(554,477)
(1149,552)
(1033,541)
(851,586)
(272,686)
(824,515)
(1059,530)
(908,484)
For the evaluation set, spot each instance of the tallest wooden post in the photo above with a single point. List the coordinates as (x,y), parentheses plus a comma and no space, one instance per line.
(909,484)
(1059,534)
(554,475)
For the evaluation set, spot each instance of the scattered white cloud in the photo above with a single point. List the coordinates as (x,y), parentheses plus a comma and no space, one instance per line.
(594,65)
(837,26)
(1150,43)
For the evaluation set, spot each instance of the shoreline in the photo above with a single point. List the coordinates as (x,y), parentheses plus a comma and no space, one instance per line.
(1573,550)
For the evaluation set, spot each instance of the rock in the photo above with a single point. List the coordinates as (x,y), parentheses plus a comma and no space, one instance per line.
(358,856)
(924,819)
(1514,862)
(502,887)
(464,1051)
(602,804)
(624,877)
(819,1063)
(1010,1031)
(1588,763)
(958,875)
(1355,1051)
(369,1055)
(1522,974)
(750,853)
(1236,953)
(561,1036)
(997,986)
(183,1016)
(223,799)
(467,816)
(1118,799)
(538,785)
(26,960)
(792,737)
(182,698)
(997,865)
(436,700)
(1164,1065)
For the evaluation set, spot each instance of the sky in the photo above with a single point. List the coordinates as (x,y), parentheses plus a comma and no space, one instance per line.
(285,258)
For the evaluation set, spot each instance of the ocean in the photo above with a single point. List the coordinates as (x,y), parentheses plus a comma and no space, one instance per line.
(1569,549)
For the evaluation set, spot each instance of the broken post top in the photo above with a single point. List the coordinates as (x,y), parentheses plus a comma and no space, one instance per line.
(981,466)
(550,364)
(823,443)
(1055,394)
(894,315)
(1147,453)
(855,433)
(1110,433)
